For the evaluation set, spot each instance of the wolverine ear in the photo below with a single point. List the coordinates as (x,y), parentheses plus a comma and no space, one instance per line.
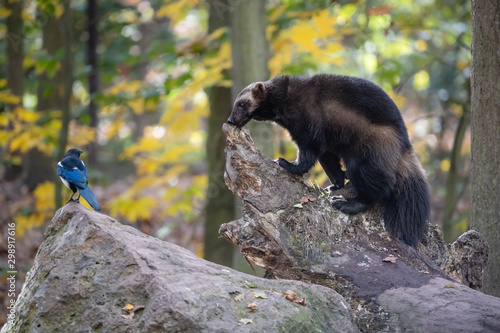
(259,91)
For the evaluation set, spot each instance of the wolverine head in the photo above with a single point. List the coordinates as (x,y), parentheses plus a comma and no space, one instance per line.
(247,104)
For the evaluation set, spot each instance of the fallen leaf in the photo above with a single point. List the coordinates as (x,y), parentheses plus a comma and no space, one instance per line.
(240,297)
(298,206)
(305,200)
(260,295)
(252,306)
(390,259)
(130,310)
(246,321)
(251,284)
(449,286)
(293,297)
(128,307)
(426,272)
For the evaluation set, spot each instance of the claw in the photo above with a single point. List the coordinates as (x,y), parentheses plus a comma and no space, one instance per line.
(332,188)
(338,201)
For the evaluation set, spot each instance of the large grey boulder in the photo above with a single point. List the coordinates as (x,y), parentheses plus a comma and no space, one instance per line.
(90,266)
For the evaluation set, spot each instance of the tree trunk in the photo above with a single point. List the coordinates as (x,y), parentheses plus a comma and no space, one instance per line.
(453,177)
(39,167)
(485,208)
(66,87)
(292,230)
(92,18)
(250,53)
(54,93)
(15,50)
(220,201)
(14,70)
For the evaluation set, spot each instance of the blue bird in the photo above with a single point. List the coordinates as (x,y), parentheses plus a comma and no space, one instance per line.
(73,174)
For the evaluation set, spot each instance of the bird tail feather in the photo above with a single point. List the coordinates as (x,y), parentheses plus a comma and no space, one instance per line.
(88,195)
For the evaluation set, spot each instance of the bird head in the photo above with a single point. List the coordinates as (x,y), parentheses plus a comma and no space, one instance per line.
(74,152)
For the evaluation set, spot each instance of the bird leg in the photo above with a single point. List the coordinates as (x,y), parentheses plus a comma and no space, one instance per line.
(78,199)
(71,198)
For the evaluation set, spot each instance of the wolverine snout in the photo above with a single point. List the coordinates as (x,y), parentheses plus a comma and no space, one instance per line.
(230,121)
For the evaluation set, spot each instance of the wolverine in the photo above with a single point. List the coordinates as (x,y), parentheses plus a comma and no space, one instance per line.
(335,119)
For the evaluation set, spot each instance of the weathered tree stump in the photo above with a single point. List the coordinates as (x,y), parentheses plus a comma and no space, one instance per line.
(291,229)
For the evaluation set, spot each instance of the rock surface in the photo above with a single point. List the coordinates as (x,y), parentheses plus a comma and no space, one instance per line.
(90,266)
(291,229)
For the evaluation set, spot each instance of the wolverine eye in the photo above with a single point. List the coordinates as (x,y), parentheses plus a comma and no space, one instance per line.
(241,104)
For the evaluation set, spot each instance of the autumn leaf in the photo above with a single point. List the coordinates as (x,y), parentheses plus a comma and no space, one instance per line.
(260,295)
(390,259)
(293,297)
(130,310)
(239,297)
(252,306)
(246,321)
(449,286)
(305,200)
(128,307)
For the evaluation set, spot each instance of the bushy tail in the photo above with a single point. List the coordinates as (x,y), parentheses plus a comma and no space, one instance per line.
(90,197)
(408,209)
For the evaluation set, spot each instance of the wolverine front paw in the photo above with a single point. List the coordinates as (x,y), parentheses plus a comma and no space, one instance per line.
(333,188)
(338,201)
(286,165)
(290,167)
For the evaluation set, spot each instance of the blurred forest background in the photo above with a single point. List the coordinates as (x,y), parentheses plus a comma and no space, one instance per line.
(144,86)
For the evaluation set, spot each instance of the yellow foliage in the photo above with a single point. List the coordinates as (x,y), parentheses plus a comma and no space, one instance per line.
(445,165)
(176,10)
(324,24)
(313,37)
(137,105)
(399,100)
(4,12)
(125,86)
(420,45)
(80,135)
(217,33)
(21,132)
(114,127)
(174,154)
(463,64)
(59,10)
(277,13)
(133,208)
(8,98)
(145,145)
(26,222)
(370,62)
(421,80)
(44,195)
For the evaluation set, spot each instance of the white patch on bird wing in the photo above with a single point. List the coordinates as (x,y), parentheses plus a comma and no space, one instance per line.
(65,182)
(59,164)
